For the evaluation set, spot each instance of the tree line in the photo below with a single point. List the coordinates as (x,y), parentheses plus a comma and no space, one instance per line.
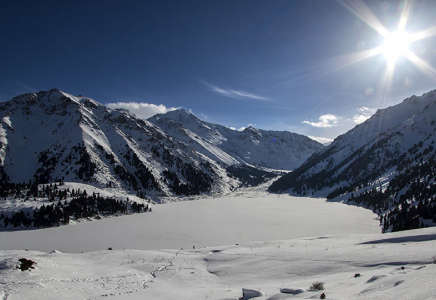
(408,201)
(65,205)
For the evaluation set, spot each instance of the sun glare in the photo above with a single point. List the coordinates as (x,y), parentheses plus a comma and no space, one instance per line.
(396,45)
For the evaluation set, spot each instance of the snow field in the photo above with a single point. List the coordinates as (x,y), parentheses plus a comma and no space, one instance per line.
(242,217)
(391,266)
(299,241)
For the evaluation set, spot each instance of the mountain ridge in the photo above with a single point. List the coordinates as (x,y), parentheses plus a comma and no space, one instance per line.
(367,165)
(251,146)
(54,136)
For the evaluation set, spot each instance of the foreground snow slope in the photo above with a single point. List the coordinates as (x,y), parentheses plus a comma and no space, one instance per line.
(391,266)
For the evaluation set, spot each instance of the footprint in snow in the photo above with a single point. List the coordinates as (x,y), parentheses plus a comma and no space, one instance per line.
(291,291)
(281,297)
(398,282)
(248,294)
(374,278)
(286,293)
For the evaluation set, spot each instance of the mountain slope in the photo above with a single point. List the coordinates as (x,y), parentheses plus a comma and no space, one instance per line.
(261,148)
(49,136)
(386,163)
(54,136)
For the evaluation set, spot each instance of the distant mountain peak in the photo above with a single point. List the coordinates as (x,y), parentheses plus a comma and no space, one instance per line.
(252,129)
(262,148)
(183,110)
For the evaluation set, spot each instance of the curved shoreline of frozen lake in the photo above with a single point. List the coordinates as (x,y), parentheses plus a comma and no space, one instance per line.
(247,217)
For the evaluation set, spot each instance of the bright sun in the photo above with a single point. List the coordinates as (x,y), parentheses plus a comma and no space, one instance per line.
(396,45)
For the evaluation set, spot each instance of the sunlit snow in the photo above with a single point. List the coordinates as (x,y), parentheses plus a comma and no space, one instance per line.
(300,241)
(247,216)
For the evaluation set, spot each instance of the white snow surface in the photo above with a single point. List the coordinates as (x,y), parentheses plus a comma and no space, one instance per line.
(351,266)
(248,215)
(275,245)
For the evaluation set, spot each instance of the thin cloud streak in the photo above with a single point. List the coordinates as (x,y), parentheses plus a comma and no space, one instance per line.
(240,95)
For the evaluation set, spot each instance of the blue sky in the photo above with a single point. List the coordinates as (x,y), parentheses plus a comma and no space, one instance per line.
(303,66)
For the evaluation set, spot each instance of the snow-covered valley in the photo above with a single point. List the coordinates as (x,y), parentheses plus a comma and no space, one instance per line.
(230,241)
(243,245)
(300,241)
(249,215)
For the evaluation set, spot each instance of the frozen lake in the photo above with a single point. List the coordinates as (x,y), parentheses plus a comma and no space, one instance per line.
(239,218)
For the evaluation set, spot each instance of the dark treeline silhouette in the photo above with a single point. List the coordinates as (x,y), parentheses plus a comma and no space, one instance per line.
(407,202)
(60,211)
(249,176)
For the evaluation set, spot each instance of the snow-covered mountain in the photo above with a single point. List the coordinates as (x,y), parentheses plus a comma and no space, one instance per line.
(49,136)
(52,136)
(281,150)
(386,163)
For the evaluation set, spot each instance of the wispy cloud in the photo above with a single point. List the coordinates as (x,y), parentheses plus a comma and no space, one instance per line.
(143,110)
(365,113)
(235,94)
(327,120)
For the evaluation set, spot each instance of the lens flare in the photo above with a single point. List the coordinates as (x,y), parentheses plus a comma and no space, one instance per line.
(396,45)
